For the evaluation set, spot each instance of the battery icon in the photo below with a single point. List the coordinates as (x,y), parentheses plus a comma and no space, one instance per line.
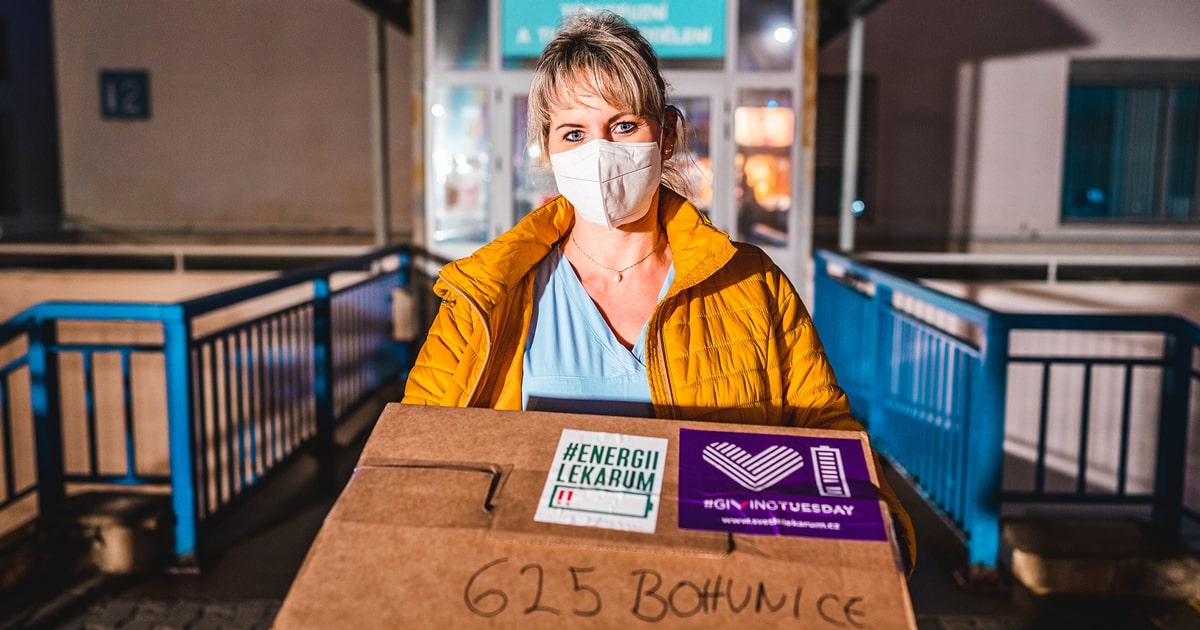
(831,476)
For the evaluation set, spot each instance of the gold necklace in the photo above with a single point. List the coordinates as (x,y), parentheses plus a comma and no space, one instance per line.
(617,273)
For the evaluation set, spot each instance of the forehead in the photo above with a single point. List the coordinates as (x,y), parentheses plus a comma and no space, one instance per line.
(589,90)
(584,105)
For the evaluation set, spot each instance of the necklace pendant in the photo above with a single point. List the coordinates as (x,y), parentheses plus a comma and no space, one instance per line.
(617,277)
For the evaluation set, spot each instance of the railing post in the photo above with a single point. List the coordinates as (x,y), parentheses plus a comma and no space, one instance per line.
(323,378)
(402,348)
(985,445)
(822,308)
(181,427)
(1172,431)
(404,263)
(880,347)
(47,416)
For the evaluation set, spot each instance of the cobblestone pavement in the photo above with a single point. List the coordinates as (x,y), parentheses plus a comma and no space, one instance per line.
(1092,613)
(150,614)
(172,615)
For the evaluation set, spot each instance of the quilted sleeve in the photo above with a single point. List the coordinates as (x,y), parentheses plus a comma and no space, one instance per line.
(434,378)
(811,394)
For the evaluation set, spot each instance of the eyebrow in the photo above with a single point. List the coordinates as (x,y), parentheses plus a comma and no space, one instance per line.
(611,120)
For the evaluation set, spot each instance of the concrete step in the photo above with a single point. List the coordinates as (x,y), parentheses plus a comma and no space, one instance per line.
(1122,558)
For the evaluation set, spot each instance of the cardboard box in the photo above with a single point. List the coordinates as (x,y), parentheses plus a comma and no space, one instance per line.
(444,525)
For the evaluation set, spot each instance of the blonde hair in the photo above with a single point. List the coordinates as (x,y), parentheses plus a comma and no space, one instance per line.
(602,51)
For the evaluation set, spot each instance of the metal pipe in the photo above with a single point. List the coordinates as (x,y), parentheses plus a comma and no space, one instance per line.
(379,130)
(851,133)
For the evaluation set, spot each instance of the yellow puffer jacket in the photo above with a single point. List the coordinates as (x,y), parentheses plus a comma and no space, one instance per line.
(730,342)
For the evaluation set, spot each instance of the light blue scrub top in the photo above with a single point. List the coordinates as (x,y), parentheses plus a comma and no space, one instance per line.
(573,361)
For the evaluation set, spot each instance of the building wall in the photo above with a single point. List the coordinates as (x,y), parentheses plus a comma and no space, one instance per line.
(972,107)
(259,123)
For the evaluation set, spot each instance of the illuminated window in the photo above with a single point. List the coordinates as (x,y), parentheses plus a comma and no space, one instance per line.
(764,126)
(764,131)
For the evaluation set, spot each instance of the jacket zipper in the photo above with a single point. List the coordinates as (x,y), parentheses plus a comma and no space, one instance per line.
(662,360)
(662,357)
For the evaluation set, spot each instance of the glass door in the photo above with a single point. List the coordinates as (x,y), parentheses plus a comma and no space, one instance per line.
(763,137)
(531,180)
(703,104)
(459,169)
(741,102)
(768,173)
(745,147)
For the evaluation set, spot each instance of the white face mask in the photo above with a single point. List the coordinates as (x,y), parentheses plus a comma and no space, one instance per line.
(609,183)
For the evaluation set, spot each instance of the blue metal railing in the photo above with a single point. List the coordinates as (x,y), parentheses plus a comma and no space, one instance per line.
(938,381)
(273,369)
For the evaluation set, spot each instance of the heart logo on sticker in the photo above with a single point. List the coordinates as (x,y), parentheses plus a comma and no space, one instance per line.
(753,472)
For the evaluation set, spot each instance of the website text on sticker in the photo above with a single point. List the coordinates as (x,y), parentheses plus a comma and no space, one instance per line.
(777,485)
(608,480)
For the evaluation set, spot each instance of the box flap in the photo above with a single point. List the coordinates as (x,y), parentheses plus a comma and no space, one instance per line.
(418,496)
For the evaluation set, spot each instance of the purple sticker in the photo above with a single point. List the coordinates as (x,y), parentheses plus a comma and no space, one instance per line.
(777,485)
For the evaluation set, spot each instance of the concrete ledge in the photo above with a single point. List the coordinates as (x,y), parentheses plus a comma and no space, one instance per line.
(18,555)
(116,533)
(1099,557)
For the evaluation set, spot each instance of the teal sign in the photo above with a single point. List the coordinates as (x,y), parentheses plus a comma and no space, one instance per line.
(676,28)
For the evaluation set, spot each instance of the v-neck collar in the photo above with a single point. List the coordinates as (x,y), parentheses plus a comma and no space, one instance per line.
(586,306)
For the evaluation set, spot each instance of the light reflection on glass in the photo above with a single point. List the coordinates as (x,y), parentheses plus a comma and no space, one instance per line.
(462,34)
(766,35)
(533,181)
(461,165)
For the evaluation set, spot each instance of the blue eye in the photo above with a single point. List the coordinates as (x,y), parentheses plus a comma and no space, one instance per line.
(626,127)
(574,135)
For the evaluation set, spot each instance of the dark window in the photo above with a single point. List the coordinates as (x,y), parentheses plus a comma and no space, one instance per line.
(8,165)
(462,34)
(831,125)
(1132,142)
(5,58)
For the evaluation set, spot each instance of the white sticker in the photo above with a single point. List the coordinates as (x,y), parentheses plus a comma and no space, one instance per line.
(608,480)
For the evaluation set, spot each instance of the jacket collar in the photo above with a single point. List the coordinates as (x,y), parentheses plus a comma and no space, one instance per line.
(698,248)
(498,268)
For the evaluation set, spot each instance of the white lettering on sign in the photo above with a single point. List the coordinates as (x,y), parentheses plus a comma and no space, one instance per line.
(674,36)
(634,12)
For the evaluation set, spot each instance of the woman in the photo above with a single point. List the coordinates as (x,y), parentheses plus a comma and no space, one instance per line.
(619,297)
